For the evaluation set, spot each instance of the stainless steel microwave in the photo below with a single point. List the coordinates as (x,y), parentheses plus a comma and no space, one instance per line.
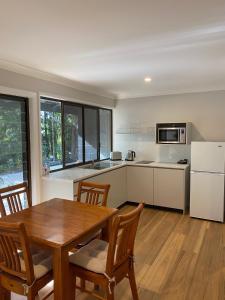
(173,133)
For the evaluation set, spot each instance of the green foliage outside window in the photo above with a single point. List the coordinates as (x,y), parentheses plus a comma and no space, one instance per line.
(51,137)
(11,158)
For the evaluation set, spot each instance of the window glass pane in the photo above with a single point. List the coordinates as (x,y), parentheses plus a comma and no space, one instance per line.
(105,133)
(73,134)
(51,132)
(13,141)
(91,133)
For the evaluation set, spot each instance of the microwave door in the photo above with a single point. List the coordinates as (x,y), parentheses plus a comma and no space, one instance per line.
(168,135)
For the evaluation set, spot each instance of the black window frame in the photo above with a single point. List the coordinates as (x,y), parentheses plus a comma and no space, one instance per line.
(25,100)
(83,106)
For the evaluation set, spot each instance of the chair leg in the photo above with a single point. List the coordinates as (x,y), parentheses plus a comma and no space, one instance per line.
(75,287)
(82,285)
(110,294)
(133,284)
(4,294)
(31,296)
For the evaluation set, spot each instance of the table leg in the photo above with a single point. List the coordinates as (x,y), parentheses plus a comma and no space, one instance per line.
(63,287)
(4,294)
(106,229)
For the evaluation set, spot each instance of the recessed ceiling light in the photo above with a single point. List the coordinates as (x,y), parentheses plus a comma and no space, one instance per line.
(148,79)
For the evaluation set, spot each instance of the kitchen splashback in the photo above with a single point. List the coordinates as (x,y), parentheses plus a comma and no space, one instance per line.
(145,148)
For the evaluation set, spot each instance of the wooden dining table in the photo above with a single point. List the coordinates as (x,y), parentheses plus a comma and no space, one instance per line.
(60,225)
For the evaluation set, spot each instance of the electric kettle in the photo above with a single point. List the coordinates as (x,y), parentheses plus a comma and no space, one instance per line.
(130,155)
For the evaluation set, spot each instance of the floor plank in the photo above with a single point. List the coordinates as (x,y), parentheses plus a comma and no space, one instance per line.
(177,258)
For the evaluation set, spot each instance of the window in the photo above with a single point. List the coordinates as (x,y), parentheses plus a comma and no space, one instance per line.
(91,133)
(14,140)
(105,119)
(74,134)
(51,132)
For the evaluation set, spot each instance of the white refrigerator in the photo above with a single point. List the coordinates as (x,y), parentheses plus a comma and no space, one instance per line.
(207,180)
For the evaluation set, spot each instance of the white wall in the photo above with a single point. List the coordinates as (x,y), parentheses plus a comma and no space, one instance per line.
(206,111)
(44,87)
(21,85)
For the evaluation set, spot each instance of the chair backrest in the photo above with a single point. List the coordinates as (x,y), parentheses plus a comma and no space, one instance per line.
(122,237)
(12,198)
(14,248)
(93,193)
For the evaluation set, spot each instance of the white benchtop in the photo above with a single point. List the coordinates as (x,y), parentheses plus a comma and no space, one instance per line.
(77,173)
(165,165)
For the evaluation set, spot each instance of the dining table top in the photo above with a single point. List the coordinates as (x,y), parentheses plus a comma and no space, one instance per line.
(58,222)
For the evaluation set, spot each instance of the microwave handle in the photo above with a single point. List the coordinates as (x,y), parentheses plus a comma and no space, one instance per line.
(179,134)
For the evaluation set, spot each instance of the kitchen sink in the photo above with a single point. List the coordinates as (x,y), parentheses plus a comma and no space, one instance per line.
(144,162)
(100,165)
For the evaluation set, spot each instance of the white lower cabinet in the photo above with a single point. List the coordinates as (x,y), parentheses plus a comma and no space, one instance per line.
(140,184)
(169,188)
(117,178)
(158,186)
(155,185)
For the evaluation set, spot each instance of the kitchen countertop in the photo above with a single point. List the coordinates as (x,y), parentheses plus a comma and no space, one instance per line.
(77,173)
(168,165)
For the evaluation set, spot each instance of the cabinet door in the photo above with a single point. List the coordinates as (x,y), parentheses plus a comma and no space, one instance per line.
(169,188)
(118,190)
(140,184)
(56,189)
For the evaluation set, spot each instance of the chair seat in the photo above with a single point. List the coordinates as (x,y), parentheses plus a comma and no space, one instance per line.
(89,238)
(42,263)
(92,256)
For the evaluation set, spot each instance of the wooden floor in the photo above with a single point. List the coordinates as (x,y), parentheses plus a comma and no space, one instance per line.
(176,258)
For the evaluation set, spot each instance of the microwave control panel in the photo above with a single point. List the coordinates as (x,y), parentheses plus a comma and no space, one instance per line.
(182,139)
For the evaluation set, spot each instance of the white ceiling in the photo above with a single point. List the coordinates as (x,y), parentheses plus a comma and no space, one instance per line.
(113,44)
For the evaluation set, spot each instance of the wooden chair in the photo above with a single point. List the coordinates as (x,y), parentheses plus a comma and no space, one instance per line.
(106,264)
(11,198)
(21,272)
(93,193)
